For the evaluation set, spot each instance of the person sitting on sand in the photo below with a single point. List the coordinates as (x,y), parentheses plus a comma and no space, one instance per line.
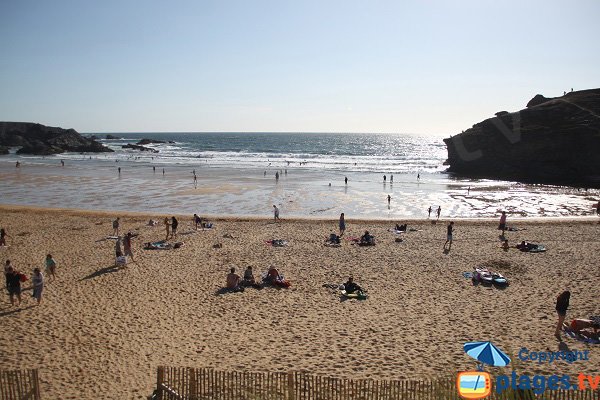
(351,287)
(249,276)
(233,281)
(401,228)
(367,238)
(505,245)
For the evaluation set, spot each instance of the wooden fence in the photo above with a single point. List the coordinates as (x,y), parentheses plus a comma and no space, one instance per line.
(209,384)
(19,385)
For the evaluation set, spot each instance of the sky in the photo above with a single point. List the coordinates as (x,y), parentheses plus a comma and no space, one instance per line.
(419,67)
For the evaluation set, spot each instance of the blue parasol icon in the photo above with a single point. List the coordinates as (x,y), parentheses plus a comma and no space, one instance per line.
(487,353)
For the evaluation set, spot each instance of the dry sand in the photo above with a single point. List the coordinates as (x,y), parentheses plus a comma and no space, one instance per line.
(100,332)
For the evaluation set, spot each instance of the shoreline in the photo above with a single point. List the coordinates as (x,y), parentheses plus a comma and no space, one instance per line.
(256,218)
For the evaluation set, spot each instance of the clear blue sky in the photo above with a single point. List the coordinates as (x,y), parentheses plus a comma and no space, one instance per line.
(425,67)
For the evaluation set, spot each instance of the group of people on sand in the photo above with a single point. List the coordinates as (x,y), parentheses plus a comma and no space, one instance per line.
(585,328)
(15,279)
(235,283)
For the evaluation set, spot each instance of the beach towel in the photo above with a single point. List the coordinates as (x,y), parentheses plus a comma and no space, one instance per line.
(577,336)
(397,232)
(277,242)
(162,245)
(331,244)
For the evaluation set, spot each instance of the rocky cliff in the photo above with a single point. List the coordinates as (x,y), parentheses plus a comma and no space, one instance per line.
(552,141)
(45,140)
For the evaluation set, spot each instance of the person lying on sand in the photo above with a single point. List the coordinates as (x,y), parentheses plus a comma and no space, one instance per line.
(333,239)
(233,281)
(351,287)
(579,324)
(526,246)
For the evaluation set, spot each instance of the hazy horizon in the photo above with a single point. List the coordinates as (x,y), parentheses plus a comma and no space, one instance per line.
(419,68)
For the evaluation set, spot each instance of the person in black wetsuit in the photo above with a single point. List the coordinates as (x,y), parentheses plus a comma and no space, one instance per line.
(174,224)
(562,303)
(351,287)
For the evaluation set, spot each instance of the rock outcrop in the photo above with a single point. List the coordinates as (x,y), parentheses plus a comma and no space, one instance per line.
(45,140)
(111,137)
(149,141)
(138,147)
(552,141)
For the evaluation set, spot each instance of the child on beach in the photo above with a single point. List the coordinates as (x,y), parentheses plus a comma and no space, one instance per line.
(167,225)
(502,225)
(342,224)
(174,224)
(51,266)
(449,231)
(275,212)
(116,227)
(37,279)
(127,245)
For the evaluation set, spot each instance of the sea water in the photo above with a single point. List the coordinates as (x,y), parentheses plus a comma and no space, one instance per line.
(235,176)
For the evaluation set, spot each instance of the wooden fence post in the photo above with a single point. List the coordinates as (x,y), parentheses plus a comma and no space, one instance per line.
(291,384)
(160,376)
(36,384)
(193,383)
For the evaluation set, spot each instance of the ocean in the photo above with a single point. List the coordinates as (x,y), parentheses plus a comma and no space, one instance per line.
(235,176)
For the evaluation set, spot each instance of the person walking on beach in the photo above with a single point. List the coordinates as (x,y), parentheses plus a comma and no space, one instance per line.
(389,198)
(342,224)
(384,178)
(345,180)
(391,178)
(562,303)
(119,170)
(449,231)
(13,285)
(153,169)
(163,172)
(37,281)
(275,212)
(502,225)
(276,176)
(3,236)
(418,177)
(167,225)
(116,226)
(439,211)
(62,163)
(429,212)
(127,245)
(51,266)
(174,224)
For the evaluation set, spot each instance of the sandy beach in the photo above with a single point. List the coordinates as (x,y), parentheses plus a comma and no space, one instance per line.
(101,332)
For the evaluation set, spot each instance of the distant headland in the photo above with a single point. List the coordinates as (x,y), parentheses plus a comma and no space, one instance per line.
(552,141)
(44,140)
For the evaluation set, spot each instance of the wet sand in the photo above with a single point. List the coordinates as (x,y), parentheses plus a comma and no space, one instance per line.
(101,332)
